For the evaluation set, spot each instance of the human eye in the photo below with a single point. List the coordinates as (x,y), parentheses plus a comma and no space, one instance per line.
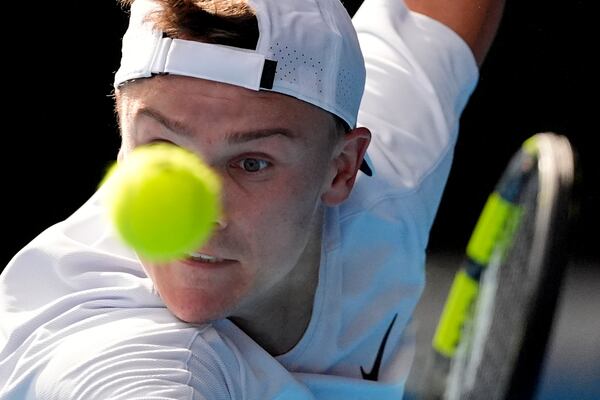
(252,165)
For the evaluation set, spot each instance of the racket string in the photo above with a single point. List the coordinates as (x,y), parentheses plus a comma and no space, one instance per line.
(481,369)
(509,284)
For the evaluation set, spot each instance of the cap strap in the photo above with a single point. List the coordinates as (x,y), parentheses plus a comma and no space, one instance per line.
(219,63)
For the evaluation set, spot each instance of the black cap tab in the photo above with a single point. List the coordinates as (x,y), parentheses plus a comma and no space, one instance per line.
(268,74)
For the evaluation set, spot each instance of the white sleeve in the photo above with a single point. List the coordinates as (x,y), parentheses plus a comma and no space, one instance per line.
(131,357)
(420,75)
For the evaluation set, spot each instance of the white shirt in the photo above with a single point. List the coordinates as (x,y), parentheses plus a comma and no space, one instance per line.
(79,318)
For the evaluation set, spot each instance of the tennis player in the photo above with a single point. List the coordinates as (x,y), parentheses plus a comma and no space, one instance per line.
(307,287)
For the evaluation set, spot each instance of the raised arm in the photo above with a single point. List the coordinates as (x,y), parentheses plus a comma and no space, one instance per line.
(420,75)
(476,21)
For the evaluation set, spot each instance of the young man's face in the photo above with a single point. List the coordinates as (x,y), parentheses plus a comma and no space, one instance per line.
(277,161)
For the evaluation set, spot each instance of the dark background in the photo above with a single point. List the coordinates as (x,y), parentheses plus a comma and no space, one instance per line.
(59,131)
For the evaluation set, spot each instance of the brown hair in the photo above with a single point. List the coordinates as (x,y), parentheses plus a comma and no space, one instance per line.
(227,22)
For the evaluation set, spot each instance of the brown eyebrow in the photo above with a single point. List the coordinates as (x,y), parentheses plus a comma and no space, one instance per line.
(247,136)
(172,125)
(232,138)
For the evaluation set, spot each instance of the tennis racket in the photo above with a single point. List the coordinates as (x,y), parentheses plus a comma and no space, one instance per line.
(492,334)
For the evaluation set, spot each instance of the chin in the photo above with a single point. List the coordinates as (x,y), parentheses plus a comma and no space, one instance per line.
(196,295)
(198,307)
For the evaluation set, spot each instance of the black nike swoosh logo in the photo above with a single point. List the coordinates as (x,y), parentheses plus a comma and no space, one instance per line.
(374,374)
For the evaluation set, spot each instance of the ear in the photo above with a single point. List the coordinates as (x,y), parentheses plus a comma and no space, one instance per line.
(347,158)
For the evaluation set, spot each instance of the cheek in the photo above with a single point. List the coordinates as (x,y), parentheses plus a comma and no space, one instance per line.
(276,223)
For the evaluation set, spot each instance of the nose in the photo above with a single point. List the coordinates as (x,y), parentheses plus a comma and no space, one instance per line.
(222,220)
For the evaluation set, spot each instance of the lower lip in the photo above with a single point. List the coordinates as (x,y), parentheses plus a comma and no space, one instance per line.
(199,264)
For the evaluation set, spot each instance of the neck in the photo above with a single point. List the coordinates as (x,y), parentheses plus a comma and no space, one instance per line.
(278,322)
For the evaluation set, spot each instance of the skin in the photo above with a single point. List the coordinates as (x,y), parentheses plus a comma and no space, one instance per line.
(275,187)
(475,21)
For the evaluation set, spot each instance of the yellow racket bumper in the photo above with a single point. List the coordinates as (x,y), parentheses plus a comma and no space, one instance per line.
(462,293)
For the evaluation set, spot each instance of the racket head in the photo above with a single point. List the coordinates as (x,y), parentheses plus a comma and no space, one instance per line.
(549,255)
(517,250)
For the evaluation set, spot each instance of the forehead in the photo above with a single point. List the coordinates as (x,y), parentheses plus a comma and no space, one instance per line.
(218,106)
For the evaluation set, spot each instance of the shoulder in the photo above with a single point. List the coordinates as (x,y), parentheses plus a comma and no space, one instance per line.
(138,353)
(413,52)
(143,353)
(420,75)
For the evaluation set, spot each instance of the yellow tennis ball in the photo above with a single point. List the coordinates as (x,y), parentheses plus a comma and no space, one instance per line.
(163,200)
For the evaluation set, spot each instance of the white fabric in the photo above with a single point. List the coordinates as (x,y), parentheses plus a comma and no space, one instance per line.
(79,319)
(313,41)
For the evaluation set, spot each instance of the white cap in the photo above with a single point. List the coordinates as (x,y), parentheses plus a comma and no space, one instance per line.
(307,49)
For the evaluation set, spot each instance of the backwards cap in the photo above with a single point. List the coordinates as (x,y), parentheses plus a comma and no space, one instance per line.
(307,49)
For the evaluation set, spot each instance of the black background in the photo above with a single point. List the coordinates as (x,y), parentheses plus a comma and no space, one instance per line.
(59,133)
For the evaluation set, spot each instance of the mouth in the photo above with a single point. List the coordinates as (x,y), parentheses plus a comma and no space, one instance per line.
(206,260)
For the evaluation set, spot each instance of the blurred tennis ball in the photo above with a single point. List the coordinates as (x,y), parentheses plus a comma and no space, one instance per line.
(163,200)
